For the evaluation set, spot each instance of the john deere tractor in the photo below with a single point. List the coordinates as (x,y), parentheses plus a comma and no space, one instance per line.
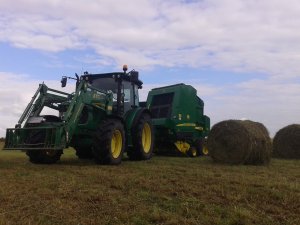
(100,120)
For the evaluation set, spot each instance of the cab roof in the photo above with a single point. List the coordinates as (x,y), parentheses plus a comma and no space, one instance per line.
(130,77)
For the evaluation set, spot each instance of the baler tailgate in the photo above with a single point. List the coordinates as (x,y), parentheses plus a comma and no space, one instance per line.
(35,138)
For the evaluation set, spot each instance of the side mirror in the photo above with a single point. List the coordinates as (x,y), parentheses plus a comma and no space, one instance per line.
(63,81)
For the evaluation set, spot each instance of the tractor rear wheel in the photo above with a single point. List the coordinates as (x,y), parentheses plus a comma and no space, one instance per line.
(142,138)
(109,142)
(41,156)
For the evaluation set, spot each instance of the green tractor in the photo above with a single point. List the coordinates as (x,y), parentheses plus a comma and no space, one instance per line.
(100,120)
(178,119)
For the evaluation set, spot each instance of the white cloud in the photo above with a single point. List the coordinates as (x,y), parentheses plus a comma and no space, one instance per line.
(237,35)
(15,92)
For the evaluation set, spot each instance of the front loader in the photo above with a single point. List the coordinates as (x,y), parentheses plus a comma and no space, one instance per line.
(100,120)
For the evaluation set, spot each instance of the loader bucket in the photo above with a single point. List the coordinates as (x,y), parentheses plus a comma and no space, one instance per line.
(34,138)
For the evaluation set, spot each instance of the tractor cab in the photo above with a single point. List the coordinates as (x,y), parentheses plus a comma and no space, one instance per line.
(123,86)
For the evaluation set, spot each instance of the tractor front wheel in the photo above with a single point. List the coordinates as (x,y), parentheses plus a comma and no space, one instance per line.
(192,152)
(41,156)
(44,156)
(109,142)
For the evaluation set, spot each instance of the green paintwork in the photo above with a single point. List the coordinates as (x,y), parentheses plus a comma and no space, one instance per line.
(177,114)
(78,114)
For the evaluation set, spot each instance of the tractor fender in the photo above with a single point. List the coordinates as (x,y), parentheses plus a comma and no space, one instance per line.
(131,118)
(133,115)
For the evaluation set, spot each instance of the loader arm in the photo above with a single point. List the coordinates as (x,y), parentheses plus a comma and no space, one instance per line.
(59,133)
(85,95)
(42,98)
(73,113)
(30,106)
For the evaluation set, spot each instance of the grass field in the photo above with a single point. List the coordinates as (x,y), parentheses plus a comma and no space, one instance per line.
(164,190)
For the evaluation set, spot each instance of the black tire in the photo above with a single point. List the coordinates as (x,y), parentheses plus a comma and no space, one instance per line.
(196,149)
(205,150)
(198,144)
(41,156)
(192,152)
(84,153)
(142,139)
(44,156)
(37,137)
(109,142)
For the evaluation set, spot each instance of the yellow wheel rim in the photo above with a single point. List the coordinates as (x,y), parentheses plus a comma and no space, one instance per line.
(205,151)
(116,144)
(194,152)
(146,138)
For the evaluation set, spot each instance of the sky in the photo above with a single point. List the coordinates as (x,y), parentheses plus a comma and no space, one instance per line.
(242,56)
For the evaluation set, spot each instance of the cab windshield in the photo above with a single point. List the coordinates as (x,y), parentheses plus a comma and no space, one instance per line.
(109,84)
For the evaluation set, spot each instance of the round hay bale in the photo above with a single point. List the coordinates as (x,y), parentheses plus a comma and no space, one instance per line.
(286,143)
(240,142)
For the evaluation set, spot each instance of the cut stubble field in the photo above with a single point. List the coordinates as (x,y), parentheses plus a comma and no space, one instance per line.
(163,190)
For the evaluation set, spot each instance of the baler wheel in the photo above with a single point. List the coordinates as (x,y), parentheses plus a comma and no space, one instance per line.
(197,149)
(205,150)
(200,149)
(192,152)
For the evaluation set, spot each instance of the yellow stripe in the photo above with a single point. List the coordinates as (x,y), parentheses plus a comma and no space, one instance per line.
(99,104)
(186,125)
(109,108)
(199,128)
